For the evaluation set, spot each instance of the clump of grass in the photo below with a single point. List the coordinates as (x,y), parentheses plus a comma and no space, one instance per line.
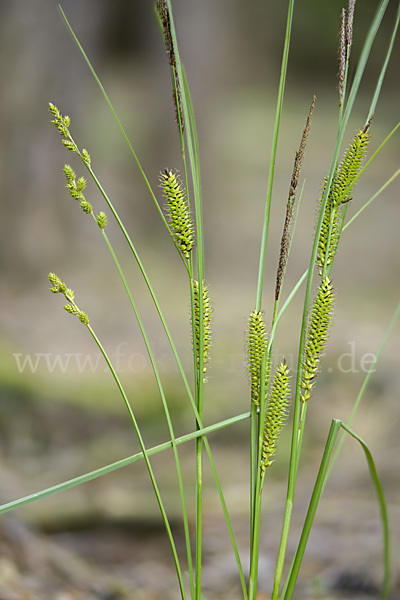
(269,396)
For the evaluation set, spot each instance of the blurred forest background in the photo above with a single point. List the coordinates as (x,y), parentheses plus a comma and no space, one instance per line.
(62,416)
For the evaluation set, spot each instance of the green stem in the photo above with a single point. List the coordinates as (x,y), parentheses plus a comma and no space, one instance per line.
(147,461)
(278,114)
(255,417)
(165,406)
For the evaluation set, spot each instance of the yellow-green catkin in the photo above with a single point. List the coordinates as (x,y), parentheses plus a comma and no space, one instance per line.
(276,415)
(206,329)
(342,185)
(316,336)
(178,212)
(256,348)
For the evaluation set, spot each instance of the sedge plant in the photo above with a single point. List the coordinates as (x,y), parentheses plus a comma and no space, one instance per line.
(277,394)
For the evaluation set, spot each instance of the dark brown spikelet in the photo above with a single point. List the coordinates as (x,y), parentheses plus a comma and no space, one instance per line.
(346,41)
(285,241)
(349,24)
(163,12)
(342,57)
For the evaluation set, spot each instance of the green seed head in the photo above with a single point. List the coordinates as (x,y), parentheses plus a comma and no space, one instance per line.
(102,220)
(74,310)
(342,185)
(206,320)
(178,212)
(276,415)
(86,157)
(69,173)
(317,335)
(86,207)
(256,345)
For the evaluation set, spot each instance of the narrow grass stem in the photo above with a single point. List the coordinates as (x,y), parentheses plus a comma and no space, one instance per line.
(384,67)
(147,461)
(278,114)
(165,406)
(194,161)
(255,424)
(114,113)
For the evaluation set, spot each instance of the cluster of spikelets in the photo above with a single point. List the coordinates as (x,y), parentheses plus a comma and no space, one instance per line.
(62,124)
(59,287)
(182,231)
(343,182)
(75,186)
(276,400)
(180,224)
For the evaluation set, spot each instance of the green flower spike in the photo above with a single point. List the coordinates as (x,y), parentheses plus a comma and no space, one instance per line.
(257,345)
(317,335)
(207,311)
(343,183)
(276,415)
(102,220)
(178,212)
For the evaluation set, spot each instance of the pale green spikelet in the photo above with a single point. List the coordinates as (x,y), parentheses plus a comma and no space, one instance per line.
(55,282)
(256,347)
(71,308)
(80,184)
(317,335)
(342,185)
(276,415)
(86,157)
(102,220)
(86,207)
(178,212)
(69,173)
(75,188)
(207,312)
(62,123)
(59,287)
(74,192)
(74,310)
(70,145)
